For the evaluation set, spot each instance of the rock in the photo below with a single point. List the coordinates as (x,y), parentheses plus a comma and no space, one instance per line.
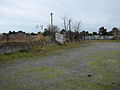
(89,75)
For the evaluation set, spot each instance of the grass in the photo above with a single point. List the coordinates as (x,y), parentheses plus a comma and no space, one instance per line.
(46,72)
(36,52)
(69,63)
(49,73)
(104,68)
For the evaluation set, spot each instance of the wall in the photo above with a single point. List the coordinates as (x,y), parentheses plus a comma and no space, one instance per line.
(8,48)
(97,37)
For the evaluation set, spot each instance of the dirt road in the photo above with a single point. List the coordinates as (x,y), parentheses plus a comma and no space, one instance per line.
(95,66)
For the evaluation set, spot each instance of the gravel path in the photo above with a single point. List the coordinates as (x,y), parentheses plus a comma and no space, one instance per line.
(92,67)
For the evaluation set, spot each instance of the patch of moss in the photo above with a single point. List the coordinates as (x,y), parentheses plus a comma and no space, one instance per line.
(47,73)
(104,65)
(69,63)
(78,83)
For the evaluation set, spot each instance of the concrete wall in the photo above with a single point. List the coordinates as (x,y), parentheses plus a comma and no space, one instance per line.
(97,37)
(8,48)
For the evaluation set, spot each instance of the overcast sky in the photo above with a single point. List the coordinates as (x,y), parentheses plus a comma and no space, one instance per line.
(25,14)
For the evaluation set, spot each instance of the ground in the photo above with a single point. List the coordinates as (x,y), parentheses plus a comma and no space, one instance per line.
(95,66)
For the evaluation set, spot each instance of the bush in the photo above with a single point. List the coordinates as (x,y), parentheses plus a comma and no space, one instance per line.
(42,38)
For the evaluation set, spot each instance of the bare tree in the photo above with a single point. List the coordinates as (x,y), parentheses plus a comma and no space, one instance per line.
(65,22)
(76,25)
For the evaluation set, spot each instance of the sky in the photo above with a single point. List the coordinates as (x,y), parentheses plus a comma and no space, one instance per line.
(24,15)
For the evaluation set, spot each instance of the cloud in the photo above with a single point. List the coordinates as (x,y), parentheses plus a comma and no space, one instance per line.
(93,13)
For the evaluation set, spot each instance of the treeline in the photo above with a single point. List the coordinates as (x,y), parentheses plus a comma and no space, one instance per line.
(70,34)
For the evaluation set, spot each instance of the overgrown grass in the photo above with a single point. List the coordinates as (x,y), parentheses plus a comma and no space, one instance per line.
(36,52)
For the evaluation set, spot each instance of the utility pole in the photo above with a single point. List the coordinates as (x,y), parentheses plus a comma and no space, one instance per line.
(70,25)
(51,20)
(51,27)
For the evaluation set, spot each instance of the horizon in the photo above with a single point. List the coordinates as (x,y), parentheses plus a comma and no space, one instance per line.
(23,15)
